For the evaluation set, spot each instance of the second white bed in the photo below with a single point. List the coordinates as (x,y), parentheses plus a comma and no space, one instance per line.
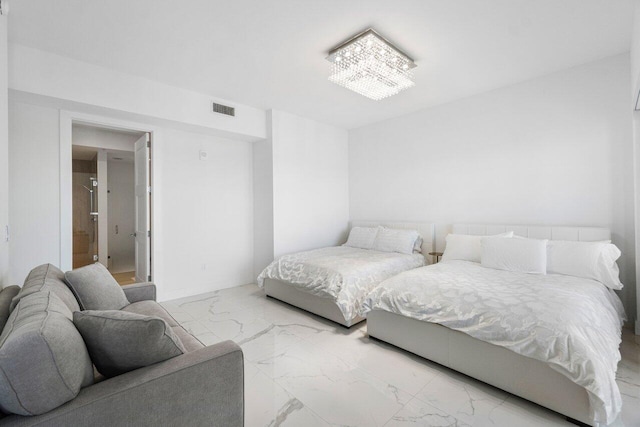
(342,275)
(570,324)
(333,282)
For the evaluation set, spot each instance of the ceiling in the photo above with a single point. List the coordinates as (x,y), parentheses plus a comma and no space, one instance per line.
(83,153)
(271,54)
(131,134)
(78,152)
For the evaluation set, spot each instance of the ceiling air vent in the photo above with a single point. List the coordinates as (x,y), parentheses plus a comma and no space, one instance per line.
(223,109)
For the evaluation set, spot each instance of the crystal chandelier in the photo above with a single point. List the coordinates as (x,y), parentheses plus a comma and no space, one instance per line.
(370,65)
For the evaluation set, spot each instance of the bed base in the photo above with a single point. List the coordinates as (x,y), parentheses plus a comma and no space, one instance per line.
(323,307)
(522,376)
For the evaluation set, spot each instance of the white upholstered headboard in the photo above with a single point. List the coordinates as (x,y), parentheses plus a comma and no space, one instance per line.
(426,230)
(582,234)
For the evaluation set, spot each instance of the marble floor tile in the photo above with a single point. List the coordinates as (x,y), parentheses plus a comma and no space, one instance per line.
(195,327)
(340,393)
(180,316)
(466,399)
(410,373)
(515,411)
(268,404)
(630,416)
(237,326)
(303,370)
(267,343)
(418,413)
(208,338)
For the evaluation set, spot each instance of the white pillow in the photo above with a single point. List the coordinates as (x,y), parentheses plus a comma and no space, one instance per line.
(395,240)
(522,255)
(466,247)
(362,237)
(591,260)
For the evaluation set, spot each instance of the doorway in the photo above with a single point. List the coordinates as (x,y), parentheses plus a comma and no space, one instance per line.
(85,227)
(111,194)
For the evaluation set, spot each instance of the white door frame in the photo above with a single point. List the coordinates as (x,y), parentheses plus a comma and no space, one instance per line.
(67,118)
(141,182)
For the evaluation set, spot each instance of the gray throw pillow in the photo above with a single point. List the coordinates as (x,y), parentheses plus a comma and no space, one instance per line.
(95,288)
(119,341)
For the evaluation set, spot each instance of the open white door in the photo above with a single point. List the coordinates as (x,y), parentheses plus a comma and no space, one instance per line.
(143,233)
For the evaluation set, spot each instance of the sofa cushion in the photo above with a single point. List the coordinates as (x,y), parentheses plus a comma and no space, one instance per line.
(119,341)
(151,308)
(43,359)
(47,277)
(95,288)
(6,295)
(190,342)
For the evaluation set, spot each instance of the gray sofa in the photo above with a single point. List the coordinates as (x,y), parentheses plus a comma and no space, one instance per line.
(44,363)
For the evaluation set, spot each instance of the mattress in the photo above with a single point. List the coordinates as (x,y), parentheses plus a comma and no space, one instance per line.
(343,274)
(571,324)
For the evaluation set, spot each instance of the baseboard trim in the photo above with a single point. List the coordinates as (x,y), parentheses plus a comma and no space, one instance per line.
(189,292)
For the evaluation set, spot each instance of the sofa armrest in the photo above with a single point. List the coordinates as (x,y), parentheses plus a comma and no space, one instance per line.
(140,292)
(201,388)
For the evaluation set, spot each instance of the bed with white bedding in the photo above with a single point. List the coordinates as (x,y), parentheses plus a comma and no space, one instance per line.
(550,338)
(332,282)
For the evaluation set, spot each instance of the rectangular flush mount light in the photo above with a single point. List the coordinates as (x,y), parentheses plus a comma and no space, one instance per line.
(370,65)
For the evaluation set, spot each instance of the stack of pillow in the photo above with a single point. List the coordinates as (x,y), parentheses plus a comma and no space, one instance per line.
(118,338)
(385,239)
(589,260)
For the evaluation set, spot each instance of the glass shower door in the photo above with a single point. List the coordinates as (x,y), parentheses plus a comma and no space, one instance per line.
(85,215)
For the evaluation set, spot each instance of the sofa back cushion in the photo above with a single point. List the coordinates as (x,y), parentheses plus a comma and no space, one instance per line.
(95,288)
(47,277)
(43,359)
(6,295)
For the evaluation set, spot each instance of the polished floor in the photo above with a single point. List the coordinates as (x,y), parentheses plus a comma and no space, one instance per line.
(301,370)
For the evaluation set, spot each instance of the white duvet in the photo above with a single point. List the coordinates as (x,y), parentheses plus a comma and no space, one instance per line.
(572,324)
(343,274)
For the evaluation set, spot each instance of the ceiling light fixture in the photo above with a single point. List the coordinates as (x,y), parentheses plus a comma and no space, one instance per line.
(370,65)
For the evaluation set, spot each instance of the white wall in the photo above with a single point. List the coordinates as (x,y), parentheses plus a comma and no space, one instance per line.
(555,150)
(310,183)
(34,183)
(204,218)
(202,211)
(635,52)
(4,155)
(301,190)
(263,202)
(121,208)
(86,84)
